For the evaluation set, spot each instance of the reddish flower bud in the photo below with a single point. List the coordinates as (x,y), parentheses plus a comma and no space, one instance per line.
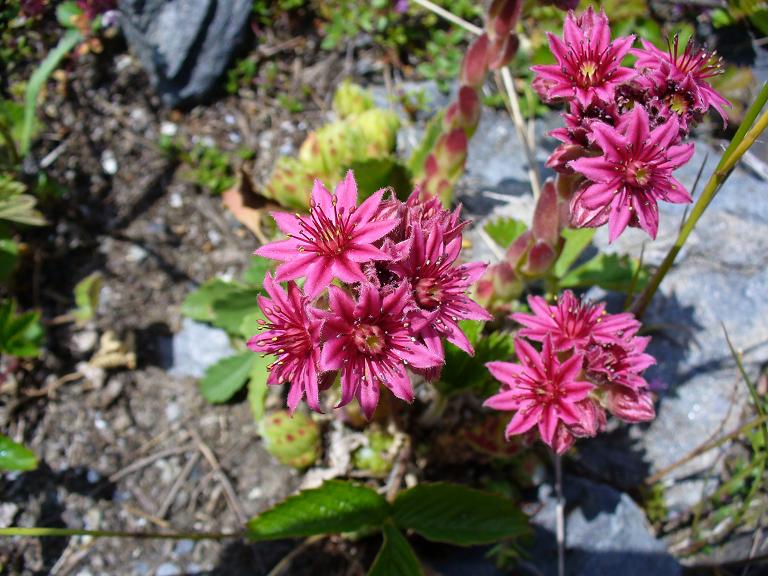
(502,51)
(518,249)
(475,64)
(502,17)
(630,405)
(546,217)
(541,257)
(563,154)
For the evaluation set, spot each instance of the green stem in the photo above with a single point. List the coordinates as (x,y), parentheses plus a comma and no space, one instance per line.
(61,532)
(724,168)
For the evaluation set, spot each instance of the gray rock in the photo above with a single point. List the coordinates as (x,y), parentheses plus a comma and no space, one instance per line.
(606,534)
(185,45)
(196,347)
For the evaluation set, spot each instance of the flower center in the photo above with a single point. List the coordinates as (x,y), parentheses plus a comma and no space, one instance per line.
(328,233)
(369,339)
(588,71)
(428,293)
(638,173)
(678,104)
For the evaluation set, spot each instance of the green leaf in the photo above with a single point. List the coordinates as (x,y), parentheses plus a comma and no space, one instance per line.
(377,173)
(38,78)
(576,241)
(229,312)
(332,508)
(222,380)
(21,210)
(504,230)
(458,515)
(198,304)
(463,372)
(254,274)
(20,335)
(396,557)
(9,252)
(87,293)
(250,324)
(257,386)
(14,456)
(609,271)
(67,13)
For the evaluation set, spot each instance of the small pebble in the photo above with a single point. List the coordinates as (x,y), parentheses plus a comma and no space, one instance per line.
(167,569)
(176,200)
(109,162)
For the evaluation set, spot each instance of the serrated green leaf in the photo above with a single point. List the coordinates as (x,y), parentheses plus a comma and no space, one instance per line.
(14,456)
(222,380)
(38,78)
(458,515)
(396,557)
(87,293)
(9,252)
(257,386)
(576,241)
(21,210)
(258,268)
(505,230)
(332,508)
(229,312)
(609,271)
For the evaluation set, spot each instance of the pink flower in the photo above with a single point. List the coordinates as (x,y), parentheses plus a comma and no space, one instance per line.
(371,343)
(293,335)
(588,63)
(541,390)
(439,287)
(573,323)
(332,241)
(621,362)
(681,78)
(632,175)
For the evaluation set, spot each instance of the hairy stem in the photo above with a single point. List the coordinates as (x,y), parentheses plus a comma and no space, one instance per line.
(559,514)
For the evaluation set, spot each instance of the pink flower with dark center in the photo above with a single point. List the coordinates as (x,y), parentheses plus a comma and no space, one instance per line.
(541,390)
(371,343)
(292,334)
(439,287)
(681,77)
(332,241)
(632,175)
(588,63)
(574,323)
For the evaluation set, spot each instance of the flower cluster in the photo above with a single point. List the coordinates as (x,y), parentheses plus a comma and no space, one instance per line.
(382,288)
(625,127)
(590,361)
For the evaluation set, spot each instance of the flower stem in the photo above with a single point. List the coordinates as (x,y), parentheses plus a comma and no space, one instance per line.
(559,514)
(744,138)
(63,532)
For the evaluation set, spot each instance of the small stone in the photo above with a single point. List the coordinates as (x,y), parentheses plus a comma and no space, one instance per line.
(196,347)
(109,162)
(176,200)
(172,411)
(136,254)
(184,547)
(169,128)
(167,569)
(7,514)
(84,340)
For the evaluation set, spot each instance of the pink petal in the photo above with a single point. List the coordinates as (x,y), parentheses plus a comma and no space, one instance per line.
(294,268)
(346,270)
(346,192)
(647,214)
(505,372)
(400,385)
(319,276)
(372,231)
(365,253)
(504,401)
(676,193)
(608,138)
(367,209)
(619,218)
(322,197)
(600,194)
(332,355)
(548,424)
(666,134)
(280,250)
(288,223)
(523,420)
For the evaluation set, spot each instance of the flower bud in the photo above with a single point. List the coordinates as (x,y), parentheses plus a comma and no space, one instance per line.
(546,217)
(475,64)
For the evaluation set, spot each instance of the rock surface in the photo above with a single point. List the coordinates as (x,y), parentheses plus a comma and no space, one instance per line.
(185,45)
(606,533)
(196,347)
